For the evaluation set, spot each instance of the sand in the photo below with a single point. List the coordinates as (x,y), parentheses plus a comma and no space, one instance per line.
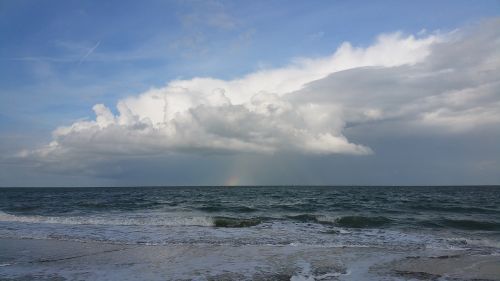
(26,259)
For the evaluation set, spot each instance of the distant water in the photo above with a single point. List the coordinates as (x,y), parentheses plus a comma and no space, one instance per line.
(391,217)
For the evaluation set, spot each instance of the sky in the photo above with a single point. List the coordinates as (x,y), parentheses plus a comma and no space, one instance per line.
(113,93)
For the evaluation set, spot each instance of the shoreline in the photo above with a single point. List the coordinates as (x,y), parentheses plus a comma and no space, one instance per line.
(24,259)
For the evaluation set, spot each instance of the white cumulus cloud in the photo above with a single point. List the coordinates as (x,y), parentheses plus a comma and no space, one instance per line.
(448,81)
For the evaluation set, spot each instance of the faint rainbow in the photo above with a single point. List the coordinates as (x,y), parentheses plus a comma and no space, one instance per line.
(232,181)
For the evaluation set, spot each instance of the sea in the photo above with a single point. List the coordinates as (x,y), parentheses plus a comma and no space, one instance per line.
(394,218)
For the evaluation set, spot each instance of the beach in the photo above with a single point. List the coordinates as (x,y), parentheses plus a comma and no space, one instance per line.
(250,233)
(250,140)
(27,259)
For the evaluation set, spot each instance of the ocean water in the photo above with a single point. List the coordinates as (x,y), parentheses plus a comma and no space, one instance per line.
(347,216)
(407,219)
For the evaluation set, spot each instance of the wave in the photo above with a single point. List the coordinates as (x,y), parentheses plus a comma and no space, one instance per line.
(454,209)
(147,221)
(307,218)
(121,220)
(463,224)
(345,221)
(121,206)
(236,222)
(236,209)
(362,221)
(352,221)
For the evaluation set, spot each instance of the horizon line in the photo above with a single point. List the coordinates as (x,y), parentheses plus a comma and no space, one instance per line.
(259,186)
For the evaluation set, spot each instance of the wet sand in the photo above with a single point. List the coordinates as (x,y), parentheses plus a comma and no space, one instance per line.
(453,267)
(25,259)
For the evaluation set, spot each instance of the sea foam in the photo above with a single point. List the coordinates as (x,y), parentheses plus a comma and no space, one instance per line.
(122,219)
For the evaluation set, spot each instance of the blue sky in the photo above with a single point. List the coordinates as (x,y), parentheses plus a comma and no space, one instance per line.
(60,58)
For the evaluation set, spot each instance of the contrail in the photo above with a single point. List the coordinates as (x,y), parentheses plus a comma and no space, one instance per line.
(89,52)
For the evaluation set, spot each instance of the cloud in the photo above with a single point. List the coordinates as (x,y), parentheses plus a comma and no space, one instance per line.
(440,82)
(454,89)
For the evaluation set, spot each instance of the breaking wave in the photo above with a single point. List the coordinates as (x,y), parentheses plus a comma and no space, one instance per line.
(344,221)
(463,224)
(235,222)
(121,220)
